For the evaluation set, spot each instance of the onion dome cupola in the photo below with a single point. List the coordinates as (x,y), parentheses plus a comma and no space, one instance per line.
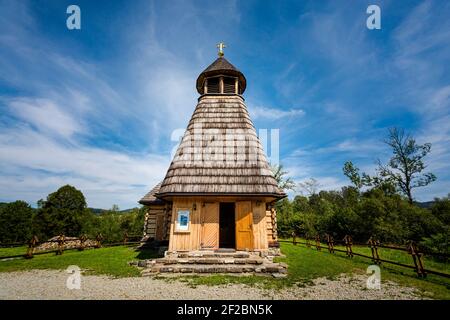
(221,77)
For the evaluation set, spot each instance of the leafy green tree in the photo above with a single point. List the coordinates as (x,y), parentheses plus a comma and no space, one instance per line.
(16,222)
(300,205)
(65,211)
(406,165)
(66,197)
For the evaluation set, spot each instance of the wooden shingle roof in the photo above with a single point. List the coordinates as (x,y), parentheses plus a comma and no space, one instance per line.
(150,198)
(220,154)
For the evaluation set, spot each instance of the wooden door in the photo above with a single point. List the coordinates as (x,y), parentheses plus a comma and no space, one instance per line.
(210,226)
(244,225)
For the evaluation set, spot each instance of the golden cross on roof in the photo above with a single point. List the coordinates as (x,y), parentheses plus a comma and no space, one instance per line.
(221,45)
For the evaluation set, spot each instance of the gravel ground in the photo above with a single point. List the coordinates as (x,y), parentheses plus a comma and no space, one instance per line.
(51,284)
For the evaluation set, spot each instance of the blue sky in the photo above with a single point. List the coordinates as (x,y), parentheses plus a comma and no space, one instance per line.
(96,107)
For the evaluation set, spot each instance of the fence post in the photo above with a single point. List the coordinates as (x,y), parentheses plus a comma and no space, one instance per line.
(34,240)
(348,245)
(373,244)
(294,238)
(83,239)
(417,259)
(377,243)
(125,238)
(61,241)
(318,242)
(99,239)
(330,242)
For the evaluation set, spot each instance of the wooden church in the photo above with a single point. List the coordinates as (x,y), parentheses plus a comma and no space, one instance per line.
(219,191)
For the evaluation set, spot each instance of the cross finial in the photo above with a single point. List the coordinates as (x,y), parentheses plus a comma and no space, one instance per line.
(221,45)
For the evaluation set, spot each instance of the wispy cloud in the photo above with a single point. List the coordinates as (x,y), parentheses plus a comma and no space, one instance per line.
(34,164)
(275,114)
(44,115)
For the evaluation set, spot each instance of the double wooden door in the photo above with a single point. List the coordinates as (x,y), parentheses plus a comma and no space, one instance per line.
(243,226)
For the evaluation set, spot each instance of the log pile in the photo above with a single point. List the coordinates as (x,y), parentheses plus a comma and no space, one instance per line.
(70,242)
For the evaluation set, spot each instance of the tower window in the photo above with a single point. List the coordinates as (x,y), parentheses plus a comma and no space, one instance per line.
(229,85)
(213,85)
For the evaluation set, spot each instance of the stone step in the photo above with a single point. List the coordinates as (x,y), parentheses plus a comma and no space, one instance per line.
(214,268)
(212,254)
(213,260)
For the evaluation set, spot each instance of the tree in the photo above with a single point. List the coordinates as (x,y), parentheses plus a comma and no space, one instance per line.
(16,222)
(406,165)
(284,183)
(309,186)
(64,211)
(66,197)
(352,172)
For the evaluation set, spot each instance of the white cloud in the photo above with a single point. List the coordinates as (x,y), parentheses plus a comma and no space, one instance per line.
(35,165)
(44,115)
(273,113)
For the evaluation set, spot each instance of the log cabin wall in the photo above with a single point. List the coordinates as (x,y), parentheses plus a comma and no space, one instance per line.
(157,221)
(271,223)
(151,218)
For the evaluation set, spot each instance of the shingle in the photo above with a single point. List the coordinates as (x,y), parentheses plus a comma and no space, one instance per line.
(220,154)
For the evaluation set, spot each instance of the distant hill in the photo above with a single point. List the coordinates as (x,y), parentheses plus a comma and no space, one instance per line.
(99,211)
(426,204)
(94,210)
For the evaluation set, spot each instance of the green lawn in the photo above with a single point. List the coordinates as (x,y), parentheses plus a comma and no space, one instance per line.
(13,251)
(305,264)
(110,261)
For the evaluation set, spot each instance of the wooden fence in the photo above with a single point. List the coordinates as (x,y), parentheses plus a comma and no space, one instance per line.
(128,240)
(417,256)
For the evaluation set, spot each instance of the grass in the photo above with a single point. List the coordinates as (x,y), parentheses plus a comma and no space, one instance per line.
(111,261)
(305,265)
(13,251)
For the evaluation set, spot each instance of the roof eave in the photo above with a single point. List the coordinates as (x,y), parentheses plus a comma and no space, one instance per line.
(165,195)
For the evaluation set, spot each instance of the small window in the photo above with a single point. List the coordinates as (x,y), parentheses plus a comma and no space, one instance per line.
(182,223)
(213,85)
(229,85)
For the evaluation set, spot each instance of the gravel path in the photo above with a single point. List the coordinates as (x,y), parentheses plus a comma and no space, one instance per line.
(51,284)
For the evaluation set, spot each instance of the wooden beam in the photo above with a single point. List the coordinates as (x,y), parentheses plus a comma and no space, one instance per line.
(221,84)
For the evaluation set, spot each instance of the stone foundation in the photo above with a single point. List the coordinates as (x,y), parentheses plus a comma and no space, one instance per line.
(206,261)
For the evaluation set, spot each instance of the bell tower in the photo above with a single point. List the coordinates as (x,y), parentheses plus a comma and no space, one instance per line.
(221,77)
